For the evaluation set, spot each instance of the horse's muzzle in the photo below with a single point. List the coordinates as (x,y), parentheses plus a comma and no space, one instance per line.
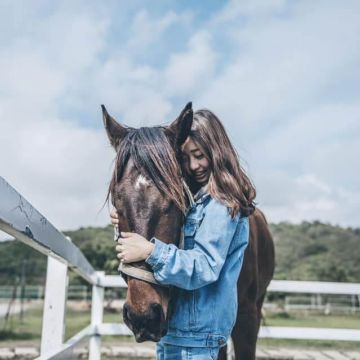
(150,326)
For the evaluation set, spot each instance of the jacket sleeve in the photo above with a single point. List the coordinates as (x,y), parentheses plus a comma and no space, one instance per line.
(193,268)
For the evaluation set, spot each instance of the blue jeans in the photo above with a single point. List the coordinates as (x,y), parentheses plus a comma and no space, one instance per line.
(174,352)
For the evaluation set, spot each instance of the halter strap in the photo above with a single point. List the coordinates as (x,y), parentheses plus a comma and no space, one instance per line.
(140,274)
(146,275)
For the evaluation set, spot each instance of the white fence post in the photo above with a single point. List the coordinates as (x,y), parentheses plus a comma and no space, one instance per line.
(53,326)
(97,310)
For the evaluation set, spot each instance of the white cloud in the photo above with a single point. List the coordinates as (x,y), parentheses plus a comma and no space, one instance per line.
(309,180)
(316,141)
(191,71)
(130,90)
(339,207)
(146,29)
(60,168)
(237,8)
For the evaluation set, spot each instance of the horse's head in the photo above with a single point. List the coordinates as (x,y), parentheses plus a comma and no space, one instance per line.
(148,193)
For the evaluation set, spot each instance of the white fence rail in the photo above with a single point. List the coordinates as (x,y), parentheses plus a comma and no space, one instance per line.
(314,287)
(21,220)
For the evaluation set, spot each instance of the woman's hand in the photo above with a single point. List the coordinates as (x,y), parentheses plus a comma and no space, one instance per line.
(133,247)
(114,217)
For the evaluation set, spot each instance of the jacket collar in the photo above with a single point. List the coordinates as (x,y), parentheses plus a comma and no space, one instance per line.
(202,194)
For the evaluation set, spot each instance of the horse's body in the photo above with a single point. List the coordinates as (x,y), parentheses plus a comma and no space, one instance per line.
(142,206)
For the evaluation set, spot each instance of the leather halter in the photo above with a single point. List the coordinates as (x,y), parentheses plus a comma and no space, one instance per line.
(146,275)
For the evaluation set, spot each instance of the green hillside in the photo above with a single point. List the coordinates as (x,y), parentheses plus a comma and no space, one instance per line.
(309,251)
(97,244)
(317,251)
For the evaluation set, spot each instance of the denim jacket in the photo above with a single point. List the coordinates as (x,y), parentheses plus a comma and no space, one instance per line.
(203,275)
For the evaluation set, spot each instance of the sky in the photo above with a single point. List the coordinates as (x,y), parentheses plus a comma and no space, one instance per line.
(283,77)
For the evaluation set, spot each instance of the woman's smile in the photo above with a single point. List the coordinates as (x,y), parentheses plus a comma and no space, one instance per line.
(200,175)
(195,163)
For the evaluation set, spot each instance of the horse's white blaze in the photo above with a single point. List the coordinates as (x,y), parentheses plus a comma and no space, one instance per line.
(141,181)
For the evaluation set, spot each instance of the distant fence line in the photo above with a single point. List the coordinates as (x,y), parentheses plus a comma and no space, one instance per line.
(37,292)
(327,304)
(310,302)
(21,220)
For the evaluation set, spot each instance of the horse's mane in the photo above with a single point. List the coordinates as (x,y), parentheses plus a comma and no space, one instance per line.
(154,158)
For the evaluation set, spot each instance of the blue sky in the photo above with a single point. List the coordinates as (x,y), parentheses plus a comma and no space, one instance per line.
(283,76)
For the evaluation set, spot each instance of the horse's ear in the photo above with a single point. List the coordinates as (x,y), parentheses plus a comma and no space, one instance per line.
(179,130)
(114,130)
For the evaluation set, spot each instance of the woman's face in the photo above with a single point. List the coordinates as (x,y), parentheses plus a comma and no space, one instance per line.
(195,163)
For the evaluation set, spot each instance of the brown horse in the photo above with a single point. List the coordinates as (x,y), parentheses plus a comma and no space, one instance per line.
(148,192)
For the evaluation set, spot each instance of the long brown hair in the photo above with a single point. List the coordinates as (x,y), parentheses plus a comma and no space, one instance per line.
(228,182)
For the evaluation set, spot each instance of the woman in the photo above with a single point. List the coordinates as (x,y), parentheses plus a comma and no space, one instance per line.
(204,274)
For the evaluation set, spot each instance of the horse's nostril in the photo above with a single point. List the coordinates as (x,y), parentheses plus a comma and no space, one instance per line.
(126,312)
(156,310)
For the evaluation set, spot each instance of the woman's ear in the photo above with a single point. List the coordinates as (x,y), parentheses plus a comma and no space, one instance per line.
(179,130)
(115,132)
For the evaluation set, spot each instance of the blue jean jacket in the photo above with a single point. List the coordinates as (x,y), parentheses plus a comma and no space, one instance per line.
(203,275)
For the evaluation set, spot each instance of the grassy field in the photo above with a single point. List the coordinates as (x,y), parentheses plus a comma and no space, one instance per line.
(27,332)
(30,327)
(303,319)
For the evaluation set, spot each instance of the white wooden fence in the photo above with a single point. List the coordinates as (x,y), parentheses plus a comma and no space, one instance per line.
(21,220)
(312,287)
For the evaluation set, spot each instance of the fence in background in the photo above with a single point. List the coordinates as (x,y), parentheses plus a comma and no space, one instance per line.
(21,220)
(37,292)
(327,304)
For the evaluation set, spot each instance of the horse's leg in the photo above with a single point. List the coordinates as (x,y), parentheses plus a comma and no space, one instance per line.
(245,332)
(259,305)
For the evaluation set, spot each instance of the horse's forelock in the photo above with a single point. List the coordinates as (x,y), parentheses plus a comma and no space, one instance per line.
(154,157)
